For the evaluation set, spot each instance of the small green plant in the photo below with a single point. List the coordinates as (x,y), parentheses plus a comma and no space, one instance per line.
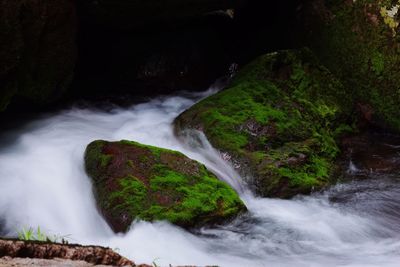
(30,234)
(26,234)
(33,235)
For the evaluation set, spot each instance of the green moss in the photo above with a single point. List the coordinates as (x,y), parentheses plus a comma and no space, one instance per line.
(314,173)
(359,43)
(167,179)
(153,149)
(130,198)
(95,158)
(105,160)
(281,107)
(196,196)
(378,63)
(150,183)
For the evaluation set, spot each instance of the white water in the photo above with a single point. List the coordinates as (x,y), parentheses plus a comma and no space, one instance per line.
(352,168)
(43,183)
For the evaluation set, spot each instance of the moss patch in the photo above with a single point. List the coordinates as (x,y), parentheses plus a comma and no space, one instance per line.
(132,180)
(279,118)
(360,43)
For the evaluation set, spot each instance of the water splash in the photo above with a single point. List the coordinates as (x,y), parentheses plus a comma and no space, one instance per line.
(352,169)
(42,182)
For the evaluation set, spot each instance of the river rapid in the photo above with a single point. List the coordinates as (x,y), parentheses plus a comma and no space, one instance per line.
(43,183)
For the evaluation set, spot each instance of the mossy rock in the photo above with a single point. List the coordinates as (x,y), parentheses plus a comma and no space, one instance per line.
(359,42)
(278,121)
(132,180)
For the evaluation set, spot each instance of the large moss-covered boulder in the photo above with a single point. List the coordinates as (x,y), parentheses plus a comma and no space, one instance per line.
(132,180)
(277,122)
(37,49)
(359,41)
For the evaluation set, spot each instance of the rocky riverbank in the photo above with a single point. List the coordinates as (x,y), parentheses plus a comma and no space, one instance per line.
(28,253)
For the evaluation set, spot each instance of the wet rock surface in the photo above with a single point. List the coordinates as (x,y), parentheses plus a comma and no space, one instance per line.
(16,253)
(372,153)
(37,50)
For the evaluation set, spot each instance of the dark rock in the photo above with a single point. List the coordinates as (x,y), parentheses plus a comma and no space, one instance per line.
(132,180)
(134,48)
(37,50)
(372,153)
(157,61)
(137,14)
(152,47)
(262,27)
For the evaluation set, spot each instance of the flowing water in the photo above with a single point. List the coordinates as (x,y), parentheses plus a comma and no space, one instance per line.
(43,183)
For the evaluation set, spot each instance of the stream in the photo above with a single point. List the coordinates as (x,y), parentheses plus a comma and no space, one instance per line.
(43,183)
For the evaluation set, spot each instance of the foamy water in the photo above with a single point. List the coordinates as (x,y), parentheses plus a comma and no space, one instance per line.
(43,183)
